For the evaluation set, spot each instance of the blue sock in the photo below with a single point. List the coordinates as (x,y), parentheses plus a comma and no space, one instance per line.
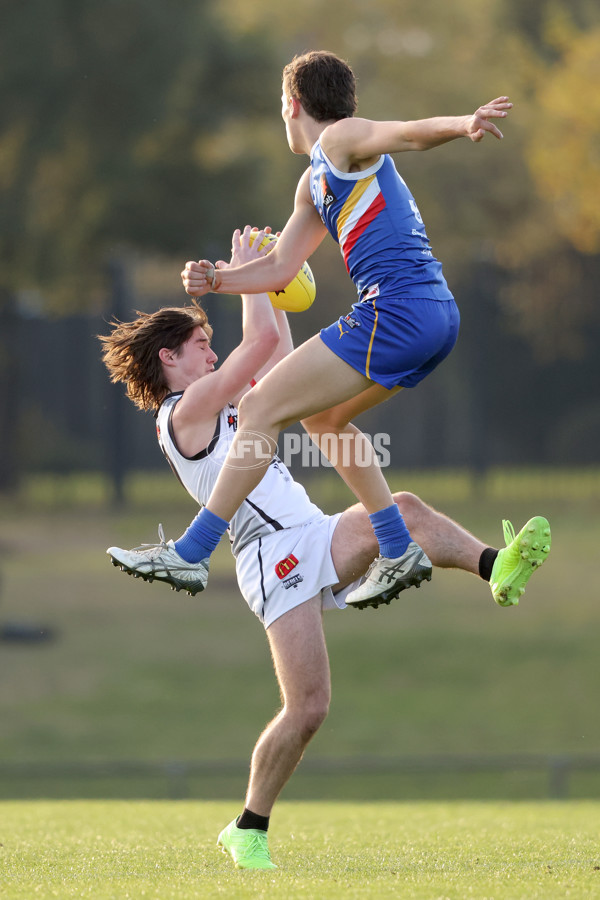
(390,531)
(201,537)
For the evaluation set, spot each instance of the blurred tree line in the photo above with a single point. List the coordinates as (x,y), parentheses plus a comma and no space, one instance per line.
(135,136)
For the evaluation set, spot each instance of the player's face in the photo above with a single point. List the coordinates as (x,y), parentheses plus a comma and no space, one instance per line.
(196,358)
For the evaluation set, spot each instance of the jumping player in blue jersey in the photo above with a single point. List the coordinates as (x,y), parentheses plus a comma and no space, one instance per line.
(402,325)
(292,561)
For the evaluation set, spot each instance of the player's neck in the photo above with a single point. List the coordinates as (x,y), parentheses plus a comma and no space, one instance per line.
(312,131)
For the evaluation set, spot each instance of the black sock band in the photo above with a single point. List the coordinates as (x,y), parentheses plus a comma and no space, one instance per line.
(248,819)
(486,562)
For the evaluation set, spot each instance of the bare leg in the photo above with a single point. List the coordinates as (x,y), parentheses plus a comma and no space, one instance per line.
(348,449)
(447,544)
(302,667)
(308,381)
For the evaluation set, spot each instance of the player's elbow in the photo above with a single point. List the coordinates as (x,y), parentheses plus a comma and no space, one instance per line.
(263,345)
(269,337)
(282,278)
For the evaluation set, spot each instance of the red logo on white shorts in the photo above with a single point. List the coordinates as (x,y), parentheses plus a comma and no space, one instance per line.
(283,568)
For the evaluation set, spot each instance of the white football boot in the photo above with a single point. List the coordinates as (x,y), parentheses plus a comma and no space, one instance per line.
(386,578)
(162,562)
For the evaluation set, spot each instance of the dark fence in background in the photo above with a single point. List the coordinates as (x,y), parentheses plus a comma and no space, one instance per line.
(541,776)
(489,404)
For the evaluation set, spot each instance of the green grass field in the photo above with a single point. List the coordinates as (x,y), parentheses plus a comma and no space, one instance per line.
(417,851)
(140,674)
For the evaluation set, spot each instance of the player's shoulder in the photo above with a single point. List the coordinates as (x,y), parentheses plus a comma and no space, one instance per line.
(343,142)
(192,427)
(343,132)
(167,403)
(202,401)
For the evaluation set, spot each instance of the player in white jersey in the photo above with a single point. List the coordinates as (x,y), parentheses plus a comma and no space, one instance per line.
(292,560)
(277,502)
(403,325)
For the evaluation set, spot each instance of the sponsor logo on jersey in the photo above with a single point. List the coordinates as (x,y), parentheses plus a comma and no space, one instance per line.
(328,195)
(285,566)
(415,210)
(369,293)
(292,582)
(350,321)
(232,418)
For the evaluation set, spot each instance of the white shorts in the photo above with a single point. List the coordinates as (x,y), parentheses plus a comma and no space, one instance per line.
(279,572)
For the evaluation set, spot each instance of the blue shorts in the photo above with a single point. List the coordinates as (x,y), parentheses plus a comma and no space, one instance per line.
(395,341)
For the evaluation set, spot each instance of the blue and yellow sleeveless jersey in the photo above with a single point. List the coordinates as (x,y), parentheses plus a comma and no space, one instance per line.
(375,220)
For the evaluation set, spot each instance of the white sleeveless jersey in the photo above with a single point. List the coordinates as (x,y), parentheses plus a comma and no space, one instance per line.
(278,502)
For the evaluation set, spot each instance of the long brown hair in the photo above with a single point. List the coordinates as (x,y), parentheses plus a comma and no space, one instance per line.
(130,351)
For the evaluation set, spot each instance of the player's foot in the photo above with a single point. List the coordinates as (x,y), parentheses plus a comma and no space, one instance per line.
(386,578)
(516,563)
(247,847)
(161,562)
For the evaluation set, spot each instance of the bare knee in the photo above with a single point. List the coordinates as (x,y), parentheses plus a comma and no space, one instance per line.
(313,718)
(251,404)
(310,714)
(411,507)
(256,410)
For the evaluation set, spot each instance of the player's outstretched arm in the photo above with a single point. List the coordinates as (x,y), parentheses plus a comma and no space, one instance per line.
(301,236)
(260,339)
(362,139)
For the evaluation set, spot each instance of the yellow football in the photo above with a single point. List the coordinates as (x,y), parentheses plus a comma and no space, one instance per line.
(300,292)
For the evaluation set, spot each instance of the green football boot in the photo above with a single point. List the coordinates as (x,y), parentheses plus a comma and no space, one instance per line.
(247,847)
(516,563)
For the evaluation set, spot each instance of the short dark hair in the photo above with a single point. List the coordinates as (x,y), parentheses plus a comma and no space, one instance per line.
(130,351)
(323,83)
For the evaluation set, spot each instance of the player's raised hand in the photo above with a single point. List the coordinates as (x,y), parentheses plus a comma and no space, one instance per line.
(198,277)
(246,245)
(479,123)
